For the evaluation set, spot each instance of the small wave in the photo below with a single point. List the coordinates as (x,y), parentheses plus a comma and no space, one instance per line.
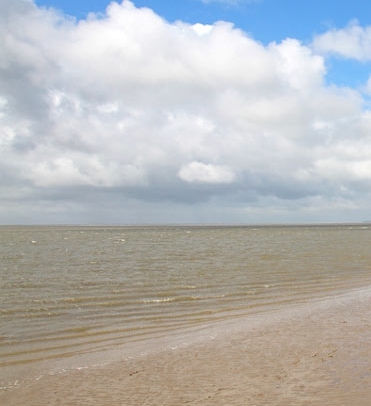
(182,298)
(9,385)
(159,300)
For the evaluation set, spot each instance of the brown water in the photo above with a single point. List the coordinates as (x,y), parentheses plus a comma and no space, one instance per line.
(68,293)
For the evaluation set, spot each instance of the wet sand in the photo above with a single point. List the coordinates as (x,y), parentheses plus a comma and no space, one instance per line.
(310,354)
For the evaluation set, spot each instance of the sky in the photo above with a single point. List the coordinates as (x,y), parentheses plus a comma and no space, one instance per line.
(217,112)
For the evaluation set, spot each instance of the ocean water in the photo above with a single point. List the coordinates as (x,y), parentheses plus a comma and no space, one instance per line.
(68,291)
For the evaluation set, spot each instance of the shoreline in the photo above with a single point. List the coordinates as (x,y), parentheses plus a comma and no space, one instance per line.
(308,354)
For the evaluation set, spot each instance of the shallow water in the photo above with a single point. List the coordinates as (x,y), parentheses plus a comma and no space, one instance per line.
(69,291)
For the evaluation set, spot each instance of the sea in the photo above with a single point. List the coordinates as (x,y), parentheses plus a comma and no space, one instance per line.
(70,294)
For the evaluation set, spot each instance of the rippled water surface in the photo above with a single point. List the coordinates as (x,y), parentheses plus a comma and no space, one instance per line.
(71,290)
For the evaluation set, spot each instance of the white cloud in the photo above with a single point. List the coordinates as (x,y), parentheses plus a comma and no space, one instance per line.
(206,173)
(126,117)
(298,66)
(353,41)
(202,29)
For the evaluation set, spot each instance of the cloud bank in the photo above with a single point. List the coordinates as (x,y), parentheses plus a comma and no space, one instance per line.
(124,117)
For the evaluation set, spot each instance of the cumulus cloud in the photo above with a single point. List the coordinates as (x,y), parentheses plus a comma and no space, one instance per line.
(125,117)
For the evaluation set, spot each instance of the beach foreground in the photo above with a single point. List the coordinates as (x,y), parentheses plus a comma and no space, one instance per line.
(310,354)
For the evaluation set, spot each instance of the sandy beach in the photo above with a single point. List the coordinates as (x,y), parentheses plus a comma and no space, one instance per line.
(310,354)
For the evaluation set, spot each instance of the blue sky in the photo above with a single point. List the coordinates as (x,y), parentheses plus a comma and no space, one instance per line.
(185,112)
